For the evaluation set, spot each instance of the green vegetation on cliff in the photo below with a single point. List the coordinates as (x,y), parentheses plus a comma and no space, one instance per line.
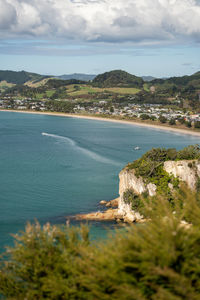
(147,166)
(150,168)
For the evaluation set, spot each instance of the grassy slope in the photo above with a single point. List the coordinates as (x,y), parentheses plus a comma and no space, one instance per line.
(33,84)
(86,89)
(4,85)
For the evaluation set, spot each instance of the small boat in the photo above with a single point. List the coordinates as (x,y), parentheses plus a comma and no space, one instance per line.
(137,148)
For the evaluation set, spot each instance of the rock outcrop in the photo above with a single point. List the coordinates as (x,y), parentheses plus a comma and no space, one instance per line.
(129,181)
(108,215)
(185,170)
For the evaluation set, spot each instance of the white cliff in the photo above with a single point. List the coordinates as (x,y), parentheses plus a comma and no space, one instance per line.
(128,181)
(184,170)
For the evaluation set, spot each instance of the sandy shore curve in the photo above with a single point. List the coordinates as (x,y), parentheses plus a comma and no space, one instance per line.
(97,118)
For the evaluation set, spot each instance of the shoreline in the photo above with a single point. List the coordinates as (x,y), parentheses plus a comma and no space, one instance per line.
(112,120)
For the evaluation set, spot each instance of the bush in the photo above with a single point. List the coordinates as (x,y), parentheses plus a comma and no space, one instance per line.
(172,122)
(162,119)
(189,153)
(197,124)
(188,124)
(181,120)
(130,197)
(158,260)
(152,118)
(144,117)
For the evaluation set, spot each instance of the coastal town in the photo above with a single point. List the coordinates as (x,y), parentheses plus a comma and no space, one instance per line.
(116,94)
(153,112)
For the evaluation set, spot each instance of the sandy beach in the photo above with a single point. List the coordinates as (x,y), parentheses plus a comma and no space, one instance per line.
(97,118)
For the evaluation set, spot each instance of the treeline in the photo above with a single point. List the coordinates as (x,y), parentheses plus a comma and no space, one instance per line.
(60,106)
(57,83)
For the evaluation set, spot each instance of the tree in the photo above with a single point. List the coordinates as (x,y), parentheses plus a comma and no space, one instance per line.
(162,119)
(153,118)
(181,120)
(188,124)
(197,124)
(111,109)
(144,117)
(172,122)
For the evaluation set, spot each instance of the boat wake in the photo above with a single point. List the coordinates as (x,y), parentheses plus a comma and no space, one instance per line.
(85,151)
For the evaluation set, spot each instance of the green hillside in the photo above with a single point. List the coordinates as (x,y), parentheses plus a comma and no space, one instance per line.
(19,77)
(118,78)
(179,82)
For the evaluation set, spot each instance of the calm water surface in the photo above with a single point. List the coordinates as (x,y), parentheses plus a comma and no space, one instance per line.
(52,167)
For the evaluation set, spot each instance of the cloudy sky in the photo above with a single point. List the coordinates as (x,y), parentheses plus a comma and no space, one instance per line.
(144,37)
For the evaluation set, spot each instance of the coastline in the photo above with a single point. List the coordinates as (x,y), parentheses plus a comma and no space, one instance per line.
(112,120)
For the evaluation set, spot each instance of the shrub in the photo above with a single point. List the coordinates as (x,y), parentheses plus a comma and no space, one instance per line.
(181,120)
(197,124)
(190,152)
(132,198)
(153,118)
(144,117)
(188,124)
(162,119)
(158,260)
(172,122)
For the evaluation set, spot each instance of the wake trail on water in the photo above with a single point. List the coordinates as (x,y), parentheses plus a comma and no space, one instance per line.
(85,151)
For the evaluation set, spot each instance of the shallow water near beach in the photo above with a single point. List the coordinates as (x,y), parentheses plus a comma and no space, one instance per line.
(52,167)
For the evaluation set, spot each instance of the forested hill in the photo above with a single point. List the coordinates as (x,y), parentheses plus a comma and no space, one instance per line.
(180,82)
(117,78)
(20,77)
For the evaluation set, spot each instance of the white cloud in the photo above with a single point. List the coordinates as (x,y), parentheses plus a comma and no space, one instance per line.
(7,15)
(139,21)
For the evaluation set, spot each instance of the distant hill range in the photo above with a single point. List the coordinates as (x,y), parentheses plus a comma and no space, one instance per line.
(116,78)
(148,78)
(77,76)
(90,77)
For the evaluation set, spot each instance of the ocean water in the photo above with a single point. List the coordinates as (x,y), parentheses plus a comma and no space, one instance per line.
(52,167)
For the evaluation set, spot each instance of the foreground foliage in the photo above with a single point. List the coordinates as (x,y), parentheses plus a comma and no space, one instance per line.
(159,260)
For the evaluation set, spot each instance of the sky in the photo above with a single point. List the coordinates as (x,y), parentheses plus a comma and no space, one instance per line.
(160,38)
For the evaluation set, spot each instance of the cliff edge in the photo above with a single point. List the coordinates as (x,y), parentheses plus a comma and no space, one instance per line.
(159,171)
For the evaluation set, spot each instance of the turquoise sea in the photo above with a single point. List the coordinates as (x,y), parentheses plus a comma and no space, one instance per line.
(52,167)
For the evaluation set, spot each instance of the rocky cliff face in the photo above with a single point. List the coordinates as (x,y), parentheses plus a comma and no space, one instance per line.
(187,171)
(128,180)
